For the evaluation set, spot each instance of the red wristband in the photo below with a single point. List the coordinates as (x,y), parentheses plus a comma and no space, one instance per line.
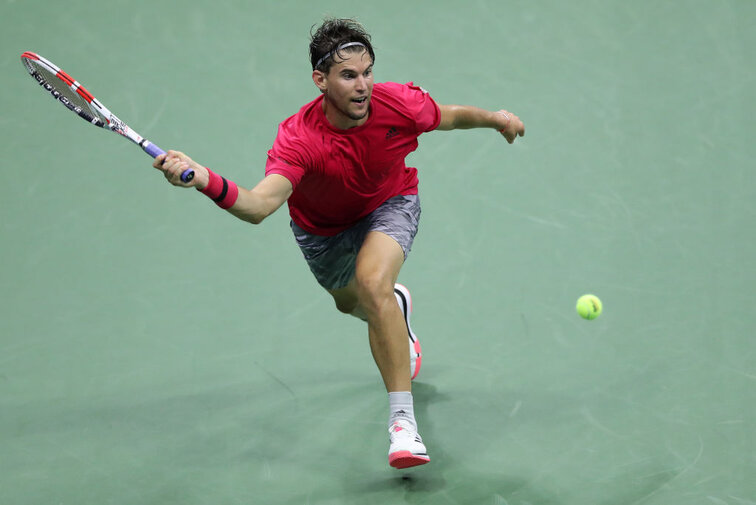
(220,190)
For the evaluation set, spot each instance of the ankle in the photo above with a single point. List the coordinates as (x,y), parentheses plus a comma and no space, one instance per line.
(401,408)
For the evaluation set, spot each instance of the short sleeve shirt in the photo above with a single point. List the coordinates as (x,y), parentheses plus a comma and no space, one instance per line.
(340,176)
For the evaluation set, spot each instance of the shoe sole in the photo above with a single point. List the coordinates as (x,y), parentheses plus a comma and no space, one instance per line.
(405,459)
(404,294)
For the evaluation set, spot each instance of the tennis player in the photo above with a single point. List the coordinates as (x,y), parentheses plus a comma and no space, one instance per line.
(339,163)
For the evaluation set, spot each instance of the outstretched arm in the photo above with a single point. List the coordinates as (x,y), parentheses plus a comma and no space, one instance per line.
(252,205)
(460,117)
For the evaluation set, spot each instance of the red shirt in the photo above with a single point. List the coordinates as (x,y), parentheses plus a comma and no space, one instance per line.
(340,176)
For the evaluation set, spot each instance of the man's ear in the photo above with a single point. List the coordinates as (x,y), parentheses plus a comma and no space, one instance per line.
(320,79)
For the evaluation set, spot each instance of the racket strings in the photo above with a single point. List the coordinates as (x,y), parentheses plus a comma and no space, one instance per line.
(60,84)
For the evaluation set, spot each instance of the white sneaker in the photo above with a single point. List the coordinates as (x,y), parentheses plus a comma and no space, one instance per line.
(406,447)
(405,303)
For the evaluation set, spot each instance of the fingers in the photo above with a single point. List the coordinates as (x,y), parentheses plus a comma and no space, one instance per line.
(173,169)
(173,164)
(158,162)
(514,126)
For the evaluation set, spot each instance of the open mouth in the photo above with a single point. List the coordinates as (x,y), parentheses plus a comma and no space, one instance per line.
(360,100)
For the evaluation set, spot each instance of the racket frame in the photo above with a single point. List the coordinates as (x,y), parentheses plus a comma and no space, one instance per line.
(97,114)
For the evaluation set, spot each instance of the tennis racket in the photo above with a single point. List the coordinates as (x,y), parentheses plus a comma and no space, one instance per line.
(77,99)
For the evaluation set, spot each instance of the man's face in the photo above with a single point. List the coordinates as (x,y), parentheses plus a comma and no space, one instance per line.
(347,87)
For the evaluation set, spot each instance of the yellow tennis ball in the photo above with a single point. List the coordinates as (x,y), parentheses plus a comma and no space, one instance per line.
(589,307)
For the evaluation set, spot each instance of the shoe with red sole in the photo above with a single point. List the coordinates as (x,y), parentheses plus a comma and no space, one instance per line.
(407,448)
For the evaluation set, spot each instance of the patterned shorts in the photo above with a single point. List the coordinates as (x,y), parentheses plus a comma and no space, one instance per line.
(332,259)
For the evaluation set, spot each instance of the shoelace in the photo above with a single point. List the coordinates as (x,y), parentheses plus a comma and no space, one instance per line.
(402,430)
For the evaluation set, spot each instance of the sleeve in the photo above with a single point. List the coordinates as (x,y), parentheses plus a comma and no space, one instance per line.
(288,157)
(424,109)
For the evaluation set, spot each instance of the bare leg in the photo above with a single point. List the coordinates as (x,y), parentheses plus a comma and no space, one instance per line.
(370,296)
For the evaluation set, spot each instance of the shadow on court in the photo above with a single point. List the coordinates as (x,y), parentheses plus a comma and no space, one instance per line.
(445,479)
(463,487)
(454,480)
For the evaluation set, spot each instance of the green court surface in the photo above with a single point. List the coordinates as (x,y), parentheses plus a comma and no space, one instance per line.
(154,350)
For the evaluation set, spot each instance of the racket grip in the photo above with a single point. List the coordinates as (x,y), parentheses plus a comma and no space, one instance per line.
(187,175)
(154,151)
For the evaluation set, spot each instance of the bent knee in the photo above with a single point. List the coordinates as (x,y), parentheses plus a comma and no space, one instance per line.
(374,290)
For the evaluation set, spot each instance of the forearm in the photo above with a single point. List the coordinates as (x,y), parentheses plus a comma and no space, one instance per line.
(463,117)
(248,205)
(253,205)
(460,117)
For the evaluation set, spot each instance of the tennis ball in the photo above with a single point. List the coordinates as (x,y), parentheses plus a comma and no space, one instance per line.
(589,307)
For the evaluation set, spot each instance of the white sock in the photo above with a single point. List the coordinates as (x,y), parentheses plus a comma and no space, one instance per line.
(401,407)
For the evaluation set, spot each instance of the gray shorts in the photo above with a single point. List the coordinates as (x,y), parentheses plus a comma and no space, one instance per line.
(332,259)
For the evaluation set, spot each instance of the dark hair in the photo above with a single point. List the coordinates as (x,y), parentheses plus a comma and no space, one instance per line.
(333,33)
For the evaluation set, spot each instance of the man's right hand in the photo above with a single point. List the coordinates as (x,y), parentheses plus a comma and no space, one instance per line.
(174,163)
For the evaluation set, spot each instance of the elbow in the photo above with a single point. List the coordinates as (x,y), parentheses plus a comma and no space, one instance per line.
(259,205)
(256,218)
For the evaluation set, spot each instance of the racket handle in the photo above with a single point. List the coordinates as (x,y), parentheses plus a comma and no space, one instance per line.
(187,175)
(154,151)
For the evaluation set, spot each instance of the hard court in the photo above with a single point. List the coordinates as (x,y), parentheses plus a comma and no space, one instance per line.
(154,350)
